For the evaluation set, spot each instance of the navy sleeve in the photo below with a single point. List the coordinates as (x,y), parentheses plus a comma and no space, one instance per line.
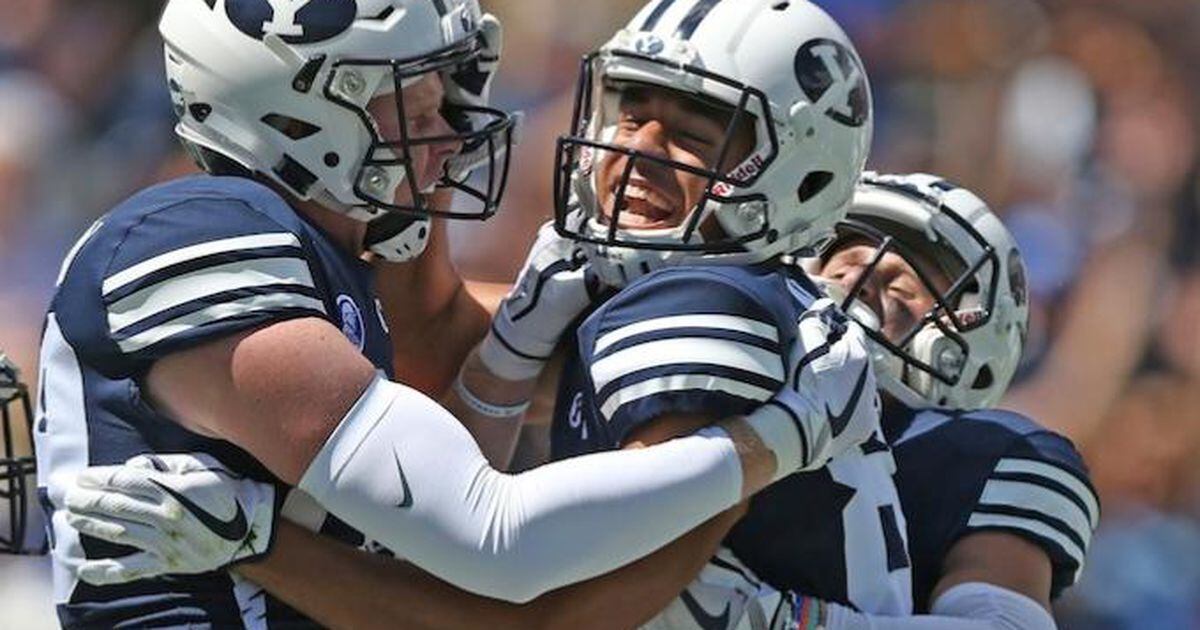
(148,284)
(1039,490)
(681,341)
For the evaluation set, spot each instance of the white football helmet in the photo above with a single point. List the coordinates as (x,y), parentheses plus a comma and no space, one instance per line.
(788,68)
(279,88)
(962,354)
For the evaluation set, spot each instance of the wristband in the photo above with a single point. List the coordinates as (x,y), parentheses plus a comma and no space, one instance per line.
(485,408)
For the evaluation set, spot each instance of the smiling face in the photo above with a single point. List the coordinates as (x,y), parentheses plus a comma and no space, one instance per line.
(673,126)
(893,290)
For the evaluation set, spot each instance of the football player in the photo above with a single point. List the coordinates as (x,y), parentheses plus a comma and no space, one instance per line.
(1000,510)
(16,471)
(723,152)
(232,316)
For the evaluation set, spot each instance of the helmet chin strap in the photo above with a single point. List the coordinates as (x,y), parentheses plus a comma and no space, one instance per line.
(397,237)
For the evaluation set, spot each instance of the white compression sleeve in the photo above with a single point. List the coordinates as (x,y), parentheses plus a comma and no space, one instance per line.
(968,606)
(403,471)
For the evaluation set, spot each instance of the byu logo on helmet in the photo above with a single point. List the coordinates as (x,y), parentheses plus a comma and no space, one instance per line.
(833,79)
(295,21)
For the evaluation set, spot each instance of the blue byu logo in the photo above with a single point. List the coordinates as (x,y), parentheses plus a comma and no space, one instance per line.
(833,79)
(294,21)
(352,321)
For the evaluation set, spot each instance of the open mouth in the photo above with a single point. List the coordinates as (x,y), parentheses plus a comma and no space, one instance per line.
(646,207)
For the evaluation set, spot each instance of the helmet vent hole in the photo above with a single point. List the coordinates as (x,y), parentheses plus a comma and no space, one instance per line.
(200,111)
(814,183)
(645,267)
(984,379)
(781,6)
(383,15)
(290,127)
(295,175)
(332,160)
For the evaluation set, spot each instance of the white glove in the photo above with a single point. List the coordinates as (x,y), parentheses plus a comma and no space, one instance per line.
(185,513)
(830,396)
(728,596)
(470,84)
(554,288)
(468,92)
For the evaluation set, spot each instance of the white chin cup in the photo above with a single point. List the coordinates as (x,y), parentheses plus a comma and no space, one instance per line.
(934,348)
(406,245)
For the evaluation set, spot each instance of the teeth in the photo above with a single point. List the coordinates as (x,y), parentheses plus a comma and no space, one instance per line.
(641,193)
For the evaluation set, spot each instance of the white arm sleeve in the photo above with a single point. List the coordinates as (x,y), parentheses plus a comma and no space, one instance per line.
(405,473)
(968,606)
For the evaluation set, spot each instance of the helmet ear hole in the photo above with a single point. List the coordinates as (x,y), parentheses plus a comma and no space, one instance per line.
(291,127)
(984,379)
(813,184)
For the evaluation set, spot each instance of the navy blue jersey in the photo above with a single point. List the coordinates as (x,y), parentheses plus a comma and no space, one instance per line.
(175,266)
(967,472)
(713,341)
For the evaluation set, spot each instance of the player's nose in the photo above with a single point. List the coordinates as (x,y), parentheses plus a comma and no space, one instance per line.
(869,293)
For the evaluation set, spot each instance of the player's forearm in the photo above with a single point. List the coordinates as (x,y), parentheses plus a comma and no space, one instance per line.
(433,320)
(970,606)
(491,408)
(342,587)
(513,537)
(339,586)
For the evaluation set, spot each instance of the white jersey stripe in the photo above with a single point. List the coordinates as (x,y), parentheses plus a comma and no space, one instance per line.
(62,449)
(66,263)
(1033,526)
(720,322)
(218,312)
(1028,496)
(700,350)
(202,283)
(222,246)
(681,382)
(1057,475)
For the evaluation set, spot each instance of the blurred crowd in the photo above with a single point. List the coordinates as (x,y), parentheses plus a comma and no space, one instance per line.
(1076,119)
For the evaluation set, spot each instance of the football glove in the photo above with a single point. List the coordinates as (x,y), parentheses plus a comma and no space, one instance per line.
(469,88)
(554,288)
(183,513)
(830,397)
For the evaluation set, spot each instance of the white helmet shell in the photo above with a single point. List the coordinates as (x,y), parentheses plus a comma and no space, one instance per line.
(280,89)
(964,352)
(790,67)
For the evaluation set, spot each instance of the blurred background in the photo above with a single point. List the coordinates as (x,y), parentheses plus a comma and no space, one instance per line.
(1076,119)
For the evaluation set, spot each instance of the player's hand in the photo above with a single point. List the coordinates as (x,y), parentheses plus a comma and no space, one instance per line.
(830,393)
(182,513)
(468,95)
(471,83)
(728,595)
(554,288)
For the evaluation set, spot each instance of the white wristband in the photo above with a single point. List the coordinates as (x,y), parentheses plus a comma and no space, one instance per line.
(485,408)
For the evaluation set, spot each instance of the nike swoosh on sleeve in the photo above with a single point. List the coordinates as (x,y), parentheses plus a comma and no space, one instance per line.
(407,501)
(233,530)
(838,422)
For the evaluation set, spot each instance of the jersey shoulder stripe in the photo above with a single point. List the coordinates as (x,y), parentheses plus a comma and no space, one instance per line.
(184,262)
(685,340)
(243,279)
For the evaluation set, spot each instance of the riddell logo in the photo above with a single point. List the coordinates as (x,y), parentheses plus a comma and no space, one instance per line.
(743,174)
